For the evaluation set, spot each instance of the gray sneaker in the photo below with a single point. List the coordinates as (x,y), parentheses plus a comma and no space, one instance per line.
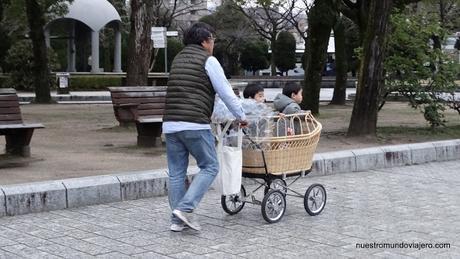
(187,219)
(177,227)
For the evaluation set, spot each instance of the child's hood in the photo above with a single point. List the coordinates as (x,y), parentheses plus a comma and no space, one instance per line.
(281,101)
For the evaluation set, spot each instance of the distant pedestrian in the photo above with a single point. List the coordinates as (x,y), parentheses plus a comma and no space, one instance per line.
(195,78)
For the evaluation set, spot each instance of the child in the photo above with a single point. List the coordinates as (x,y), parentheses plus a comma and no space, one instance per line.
(288,103)
(255,92)
(257,112)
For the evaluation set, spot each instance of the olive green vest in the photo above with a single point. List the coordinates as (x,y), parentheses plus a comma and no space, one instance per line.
(190,95)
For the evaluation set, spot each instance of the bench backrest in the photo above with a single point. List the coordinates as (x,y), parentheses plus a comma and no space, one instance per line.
(146,100)
(10,112)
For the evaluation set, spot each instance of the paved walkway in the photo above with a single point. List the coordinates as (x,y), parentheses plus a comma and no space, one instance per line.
(414,204)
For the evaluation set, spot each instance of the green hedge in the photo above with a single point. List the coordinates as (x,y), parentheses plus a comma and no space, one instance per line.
(80,83)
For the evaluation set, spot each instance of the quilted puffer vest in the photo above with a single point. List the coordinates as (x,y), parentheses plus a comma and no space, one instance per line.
(190,95)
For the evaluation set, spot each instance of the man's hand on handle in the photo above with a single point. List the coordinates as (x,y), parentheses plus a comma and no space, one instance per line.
(243,123)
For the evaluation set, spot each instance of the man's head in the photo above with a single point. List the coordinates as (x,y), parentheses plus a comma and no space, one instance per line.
(200,33)
(293,91)
(255,92)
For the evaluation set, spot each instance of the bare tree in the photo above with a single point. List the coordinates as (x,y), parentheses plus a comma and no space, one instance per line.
(268,18)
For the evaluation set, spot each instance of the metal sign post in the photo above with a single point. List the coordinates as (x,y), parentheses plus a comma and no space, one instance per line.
(158,35)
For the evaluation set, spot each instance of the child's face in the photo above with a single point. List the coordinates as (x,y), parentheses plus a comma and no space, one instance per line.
(297,97)
(259,97)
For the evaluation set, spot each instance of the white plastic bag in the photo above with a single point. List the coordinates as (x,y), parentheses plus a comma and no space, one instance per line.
(228,180)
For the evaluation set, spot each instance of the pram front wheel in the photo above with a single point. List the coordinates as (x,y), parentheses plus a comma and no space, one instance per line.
(277,184)
(315,199)
(273,206)
(232,204)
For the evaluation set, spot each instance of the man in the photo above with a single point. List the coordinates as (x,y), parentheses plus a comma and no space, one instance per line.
(195,77)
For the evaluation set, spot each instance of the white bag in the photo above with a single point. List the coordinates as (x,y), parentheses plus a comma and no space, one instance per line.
(228,180)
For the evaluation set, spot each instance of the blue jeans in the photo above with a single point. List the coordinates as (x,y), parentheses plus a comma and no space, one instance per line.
(201,145)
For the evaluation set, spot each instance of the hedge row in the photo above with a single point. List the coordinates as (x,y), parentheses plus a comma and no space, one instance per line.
(87,82)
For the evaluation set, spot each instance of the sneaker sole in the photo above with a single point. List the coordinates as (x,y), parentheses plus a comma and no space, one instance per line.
(184,219)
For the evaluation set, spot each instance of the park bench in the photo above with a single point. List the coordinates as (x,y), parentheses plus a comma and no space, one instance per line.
(17,133)
(142,105)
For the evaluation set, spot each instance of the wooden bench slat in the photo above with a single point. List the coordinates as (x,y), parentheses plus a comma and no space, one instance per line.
(152,106)
(10,117)
(137,88)
(10,122)
(8,98)
(138,94)
(140,100)
(10,110)
(150,112)
(9,103)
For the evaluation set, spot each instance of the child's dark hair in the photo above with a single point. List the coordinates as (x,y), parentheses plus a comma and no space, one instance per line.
(251,90)
(291,88)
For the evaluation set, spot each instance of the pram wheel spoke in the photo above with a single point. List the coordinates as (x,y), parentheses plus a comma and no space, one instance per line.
(315,199)
(277,184)
(273,206)
(232,204)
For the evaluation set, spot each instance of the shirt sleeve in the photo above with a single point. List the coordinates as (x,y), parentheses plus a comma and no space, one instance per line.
(223,88)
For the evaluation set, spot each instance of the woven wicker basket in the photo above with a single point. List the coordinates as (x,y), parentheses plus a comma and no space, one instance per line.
(284,154)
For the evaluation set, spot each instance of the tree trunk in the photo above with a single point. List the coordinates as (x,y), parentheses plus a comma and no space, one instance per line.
(364,116)
(36,20)
(139,43)
(341,69)
(272,57)
(321,18)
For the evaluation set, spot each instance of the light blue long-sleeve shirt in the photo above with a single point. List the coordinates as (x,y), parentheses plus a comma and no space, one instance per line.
(223,88)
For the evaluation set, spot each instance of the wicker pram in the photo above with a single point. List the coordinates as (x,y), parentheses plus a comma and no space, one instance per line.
(275,148)
(284,154)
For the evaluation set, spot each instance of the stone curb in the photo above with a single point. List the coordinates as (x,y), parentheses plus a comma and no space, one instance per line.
(70,193)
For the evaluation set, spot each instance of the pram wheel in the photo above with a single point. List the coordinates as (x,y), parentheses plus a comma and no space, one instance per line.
(277,184)
(232,204)
(273,206)
(315,199)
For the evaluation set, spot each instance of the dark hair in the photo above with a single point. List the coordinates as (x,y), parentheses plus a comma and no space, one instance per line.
(251,90)
(197,33)
(291,88)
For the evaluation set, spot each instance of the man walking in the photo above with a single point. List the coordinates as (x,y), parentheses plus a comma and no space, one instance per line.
(195,77)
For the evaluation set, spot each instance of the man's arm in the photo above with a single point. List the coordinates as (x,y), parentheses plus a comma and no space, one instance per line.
(223,88)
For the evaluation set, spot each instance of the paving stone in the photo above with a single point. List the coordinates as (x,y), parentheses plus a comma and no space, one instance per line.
(92,190)
(143,185)
(34,197)
(383,205)
(27,252)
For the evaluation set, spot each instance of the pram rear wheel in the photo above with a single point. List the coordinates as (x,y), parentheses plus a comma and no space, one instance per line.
(273,206)
(277,184)
(232,204)
(315,199)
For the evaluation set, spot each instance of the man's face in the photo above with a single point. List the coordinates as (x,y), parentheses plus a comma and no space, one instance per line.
(259,97)
(208,44)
